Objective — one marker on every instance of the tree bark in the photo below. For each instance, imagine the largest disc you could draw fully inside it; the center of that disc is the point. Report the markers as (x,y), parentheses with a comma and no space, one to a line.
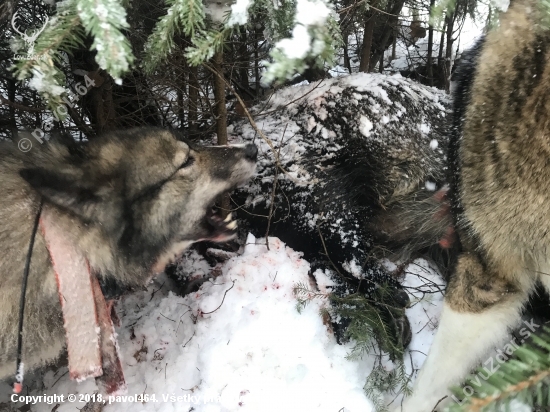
(221,118)
(256,64)
(219,95)
(11,97)
(347,62)
(390,27)
(182,86)
(244,57)
(430,48)
(394,45)
(449,51)
(367,42)
(441,46)
(192,117)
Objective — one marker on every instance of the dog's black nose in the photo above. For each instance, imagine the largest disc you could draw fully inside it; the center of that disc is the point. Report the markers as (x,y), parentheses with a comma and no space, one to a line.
(251,152)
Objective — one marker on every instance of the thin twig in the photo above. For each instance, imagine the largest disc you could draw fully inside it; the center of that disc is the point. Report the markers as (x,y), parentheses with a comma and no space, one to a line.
(155,291)
(59,379)
(273,192)
(189,340)
(171,320)
(207,313)
(370,7)
(438,402)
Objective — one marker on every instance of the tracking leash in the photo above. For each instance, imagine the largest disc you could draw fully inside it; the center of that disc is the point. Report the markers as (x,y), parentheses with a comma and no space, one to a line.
(89,331)
(18,385)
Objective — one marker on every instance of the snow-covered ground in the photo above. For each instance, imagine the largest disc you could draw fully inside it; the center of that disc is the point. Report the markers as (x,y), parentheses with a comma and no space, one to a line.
(239,343)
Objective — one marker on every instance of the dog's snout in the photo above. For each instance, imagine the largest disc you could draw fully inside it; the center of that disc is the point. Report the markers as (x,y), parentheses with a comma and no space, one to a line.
(251,152)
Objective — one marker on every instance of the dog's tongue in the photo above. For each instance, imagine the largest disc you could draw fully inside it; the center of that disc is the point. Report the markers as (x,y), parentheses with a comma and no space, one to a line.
(91,341)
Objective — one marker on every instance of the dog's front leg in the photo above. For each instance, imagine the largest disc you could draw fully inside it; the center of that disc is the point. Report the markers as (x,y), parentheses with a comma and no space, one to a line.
(479,308)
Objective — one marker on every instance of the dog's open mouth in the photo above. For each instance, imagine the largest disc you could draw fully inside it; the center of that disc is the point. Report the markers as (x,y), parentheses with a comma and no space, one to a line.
(220,229)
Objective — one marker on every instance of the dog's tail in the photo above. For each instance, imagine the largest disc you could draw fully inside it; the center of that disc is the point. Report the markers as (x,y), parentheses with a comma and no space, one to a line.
(419,223)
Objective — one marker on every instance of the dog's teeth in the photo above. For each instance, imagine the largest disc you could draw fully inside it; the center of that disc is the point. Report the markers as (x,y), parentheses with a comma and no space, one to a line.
(228,218)
(232,225)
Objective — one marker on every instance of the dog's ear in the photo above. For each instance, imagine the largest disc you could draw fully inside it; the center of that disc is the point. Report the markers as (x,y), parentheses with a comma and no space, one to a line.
(70,190)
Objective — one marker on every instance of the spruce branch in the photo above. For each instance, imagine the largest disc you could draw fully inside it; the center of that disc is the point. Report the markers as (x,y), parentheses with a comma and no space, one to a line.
(182,16)
(61,36)
(524,379)
(304,295)
(324,39)
(206,44)
(382,381)
(369,329)
(105,20)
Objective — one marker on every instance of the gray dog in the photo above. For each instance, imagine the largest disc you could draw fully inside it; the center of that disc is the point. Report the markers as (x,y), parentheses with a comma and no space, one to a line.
(499,196)
(126,203)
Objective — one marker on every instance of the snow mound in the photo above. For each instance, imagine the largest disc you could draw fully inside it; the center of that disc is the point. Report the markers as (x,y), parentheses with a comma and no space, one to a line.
(238,343)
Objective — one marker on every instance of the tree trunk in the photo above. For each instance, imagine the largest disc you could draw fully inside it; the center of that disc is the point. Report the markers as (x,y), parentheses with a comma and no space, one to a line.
(244,57)
(182,82)
(193,99)
(101,107)
(390,27)
(221,118)
(449,51)
(367,42)
(256,64)
(11,97)
(441,45)
(347,62)
(394,45)
(430,48)
(219,95)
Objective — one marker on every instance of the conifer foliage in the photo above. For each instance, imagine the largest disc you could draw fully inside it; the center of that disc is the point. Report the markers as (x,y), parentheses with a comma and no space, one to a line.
(524,379)
(301,30)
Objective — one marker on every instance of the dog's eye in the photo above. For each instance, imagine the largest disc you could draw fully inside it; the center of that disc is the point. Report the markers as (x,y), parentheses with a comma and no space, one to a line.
(190,160)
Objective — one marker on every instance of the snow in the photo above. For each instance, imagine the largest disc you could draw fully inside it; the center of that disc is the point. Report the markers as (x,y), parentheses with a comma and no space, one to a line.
(311,13)
(239,13)
(309,34)
(298,46)
(365,126)
(501,4)
(409,56)
(425,287)
(431,186)
(218,10)
(239,343)
(42,84)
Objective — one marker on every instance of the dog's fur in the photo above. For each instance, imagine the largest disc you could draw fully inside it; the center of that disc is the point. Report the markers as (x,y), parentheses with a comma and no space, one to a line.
(129,201)
(499,195)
